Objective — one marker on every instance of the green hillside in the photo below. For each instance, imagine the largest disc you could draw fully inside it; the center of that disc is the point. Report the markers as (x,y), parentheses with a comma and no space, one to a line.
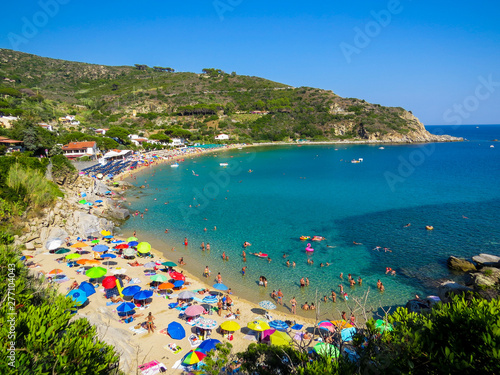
(248,108)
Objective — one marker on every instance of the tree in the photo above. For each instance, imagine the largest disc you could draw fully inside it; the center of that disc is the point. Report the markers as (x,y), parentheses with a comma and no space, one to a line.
(118,132)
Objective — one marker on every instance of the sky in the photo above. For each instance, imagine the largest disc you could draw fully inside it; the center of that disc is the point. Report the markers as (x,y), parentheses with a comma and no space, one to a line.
(440,60)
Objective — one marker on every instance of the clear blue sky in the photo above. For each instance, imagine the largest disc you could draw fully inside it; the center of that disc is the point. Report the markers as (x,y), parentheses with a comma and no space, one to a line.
(433,58)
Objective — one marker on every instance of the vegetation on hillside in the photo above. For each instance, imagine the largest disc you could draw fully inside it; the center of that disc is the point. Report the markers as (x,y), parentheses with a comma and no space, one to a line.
(106,96)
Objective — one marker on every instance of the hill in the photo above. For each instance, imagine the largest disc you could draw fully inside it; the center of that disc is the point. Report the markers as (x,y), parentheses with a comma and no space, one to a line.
(149,99)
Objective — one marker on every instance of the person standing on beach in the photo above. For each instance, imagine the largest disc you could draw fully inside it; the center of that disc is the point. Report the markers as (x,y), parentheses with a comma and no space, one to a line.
(149,323)
(344,316)
(219,307)
(219,278)
(280,297)
(293,302)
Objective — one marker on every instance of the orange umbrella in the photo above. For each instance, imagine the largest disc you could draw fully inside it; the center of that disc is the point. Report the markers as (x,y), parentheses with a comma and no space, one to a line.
(341,324)
(166,286)
(56,271)
(82,261)
(92,262)
(79,244)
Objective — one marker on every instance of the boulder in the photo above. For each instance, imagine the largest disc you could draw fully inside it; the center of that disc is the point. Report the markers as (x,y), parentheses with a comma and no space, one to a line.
(450,288)
(487,278)
(460,264)
(30,246)
(487,260)
(118,213)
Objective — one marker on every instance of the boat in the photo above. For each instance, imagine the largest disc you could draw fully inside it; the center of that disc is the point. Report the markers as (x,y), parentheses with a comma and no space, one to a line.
(429,227)
(357,160)
(175,165)
(492,146)
(223,164)
(380,148)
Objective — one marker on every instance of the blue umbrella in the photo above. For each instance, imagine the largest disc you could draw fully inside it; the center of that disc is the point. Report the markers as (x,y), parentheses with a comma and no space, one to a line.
(117,241)
(143,294)
(125,307)
(178,283)
(176,331)
(348,333)
(133,243)
(100,248)
(220,287)
(210,299)
(279,325)
(83,194)
(207,345)
(99,201)
(78,295)
(108,256)
(88,288)
(108,236)
(131,290)
(107,192)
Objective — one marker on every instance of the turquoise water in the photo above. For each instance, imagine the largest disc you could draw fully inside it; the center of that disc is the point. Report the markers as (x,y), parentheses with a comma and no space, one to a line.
(316,190)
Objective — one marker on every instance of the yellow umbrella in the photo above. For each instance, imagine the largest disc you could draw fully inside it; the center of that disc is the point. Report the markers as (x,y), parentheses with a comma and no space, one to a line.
(341,324)
(230,325)
(79,244)
(258,325)
(280,338)
(105,232)
(144,247)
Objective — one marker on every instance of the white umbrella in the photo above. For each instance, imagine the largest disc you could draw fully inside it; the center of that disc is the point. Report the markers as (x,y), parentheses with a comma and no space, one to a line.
(186,295)
(119,271)
(53,243)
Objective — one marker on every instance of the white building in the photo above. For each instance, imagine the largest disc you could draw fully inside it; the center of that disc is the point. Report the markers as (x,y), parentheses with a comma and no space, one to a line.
(177,142)
(222,137)
(78,149)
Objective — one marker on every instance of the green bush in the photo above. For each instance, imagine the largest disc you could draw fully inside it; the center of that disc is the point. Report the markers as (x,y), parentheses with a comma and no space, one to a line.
(61,166)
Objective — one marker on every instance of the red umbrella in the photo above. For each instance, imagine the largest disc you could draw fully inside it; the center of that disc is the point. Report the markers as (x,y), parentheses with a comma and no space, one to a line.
(177,275)
(121,246)
(109,282)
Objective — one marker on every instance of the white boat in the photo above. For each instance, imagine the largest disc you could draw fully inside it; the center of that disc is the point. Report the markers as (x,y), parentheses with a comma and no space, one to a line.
(357,161)
(223,164)
(175,165)
(380,148)
(492,146)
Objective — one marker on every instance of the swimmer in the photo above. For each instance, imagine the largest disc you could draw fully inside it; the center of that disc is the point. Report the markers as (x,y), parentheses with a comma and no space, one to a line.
(288,263)
(166,230)
(293,264)
(407,225)
(357,243)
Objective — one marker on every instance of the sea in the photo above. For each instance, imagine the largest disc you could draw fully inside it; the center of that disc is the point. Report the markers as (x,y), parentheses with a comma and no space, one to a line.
(373,215)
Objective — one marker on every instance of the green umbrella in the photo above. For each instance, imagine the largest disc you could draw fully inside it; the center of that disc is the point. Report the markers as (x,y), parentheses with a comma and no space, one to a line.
(63,251)
(96,272)
(382,326)
(73,256)
(130,239)
(169,264)
(83,201)
(95,241)
(144,247)
(328,350)
(159,278)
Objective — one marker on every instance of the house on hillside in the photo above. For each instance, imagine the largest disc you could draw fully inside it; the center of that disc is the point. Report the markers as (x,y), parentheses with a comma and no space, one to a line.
(6,121)
(12,144)
(78,149)
(177,142)
(46,126)
(101,131)
(137,140)
(222,137)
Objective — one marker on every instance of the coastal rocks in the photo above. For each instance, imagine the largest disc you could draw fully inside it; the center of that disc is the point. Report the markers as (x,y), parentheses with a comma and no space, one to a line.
(30,245)
(487,278)
(487,260)
(450,288)
(118,213)
(90,225)
(460,264)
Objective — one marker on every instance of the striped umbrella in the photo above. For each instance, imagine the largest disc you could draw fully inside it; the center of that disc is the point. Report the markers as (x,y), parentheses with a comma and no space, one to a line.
(205,323)
(193,357)
(210,299)
(279,325)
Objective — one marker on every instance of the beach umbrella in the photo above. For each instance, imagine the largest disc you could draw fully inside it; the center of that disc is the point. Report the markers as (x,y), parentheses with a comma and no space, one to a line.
(348,333)
(258,325)
(327,350)
(297,327)
(159,278)
(193,357)
(205,323)
(131,239)
(169,264)
(95,241)
(279,325)
(194,310)
(326,324)
(186,295)
(230,325)
(96,272)
(210,299)
(109,282)
(133,243)
(165,286)
(105,232)
(341,324)
(111,256)
(109,236)
(99,201)
(176,331)
(78,296)
(280,338)
(267,305)
(82,201)
(129,252)
(82,261)
(121,246)
(143,294)
(119,271)
(89,262)
(150,265)
(56,271)
(178,283)
(382,326)
(125,307)
(143,247)
(79,244)
(62,251)
(207,345)
(88,288)
(131,290)
(100,248)
(53,243)
(220,286)
(25,257)
(177,275)
(73,256)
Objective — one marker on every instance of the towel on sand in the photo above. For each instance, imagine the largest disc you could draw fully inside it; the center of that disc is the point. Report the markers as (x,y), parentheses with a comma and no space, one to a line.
(174,348)
(138,331)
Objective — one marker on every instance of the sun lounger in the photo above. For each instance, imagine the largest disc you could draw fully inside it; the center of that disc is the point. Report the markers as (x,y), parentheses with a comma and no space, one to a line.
(194,341)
